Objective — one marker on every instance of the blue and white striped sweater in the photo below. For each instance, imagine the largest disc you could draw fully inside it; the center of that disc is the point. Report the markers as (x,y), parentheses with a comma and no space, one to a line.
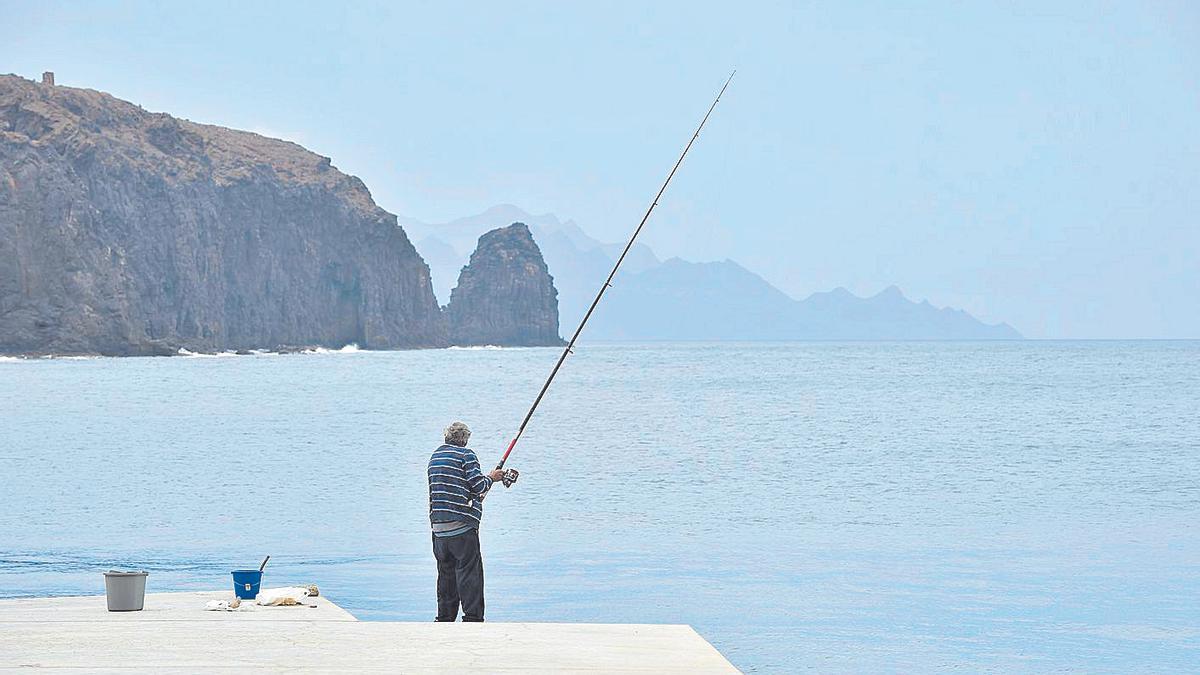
(456,486)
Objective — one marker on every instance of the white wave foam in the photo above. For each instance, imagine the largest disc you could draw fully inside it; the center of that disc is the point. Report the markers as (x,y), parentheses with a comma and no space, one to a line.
(348,349)
(476,348)
(202,355)
(47,357)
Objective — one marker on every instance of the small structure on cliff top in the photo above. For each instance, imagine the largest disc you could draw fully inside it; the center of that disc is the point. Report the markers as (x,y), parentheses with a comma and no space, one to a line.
(48,78)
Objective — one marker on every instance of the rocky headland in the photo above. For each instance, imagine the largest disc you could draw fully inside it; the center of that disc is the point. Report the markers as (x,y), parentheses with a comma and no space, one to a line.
(126,232)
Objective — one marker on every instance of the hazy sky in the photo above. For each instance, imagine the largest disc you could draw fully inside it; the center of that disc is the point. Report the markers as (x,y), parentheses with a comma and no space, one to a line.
(1033,163)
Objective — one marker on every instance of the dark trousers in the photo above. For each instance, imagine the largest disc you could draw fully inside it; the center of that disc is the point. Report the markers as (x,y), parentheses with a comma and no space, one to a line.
(460,576)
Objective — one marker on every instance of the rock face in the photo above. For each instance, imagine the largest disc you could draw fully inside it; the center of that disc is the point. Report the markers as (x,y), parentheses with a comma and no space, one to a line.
(127,232)
(505,295)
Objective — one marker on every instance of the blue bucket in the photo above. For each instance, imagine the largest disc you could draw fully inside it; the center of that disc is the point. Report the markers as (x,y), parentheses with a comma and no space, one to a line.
(246,583)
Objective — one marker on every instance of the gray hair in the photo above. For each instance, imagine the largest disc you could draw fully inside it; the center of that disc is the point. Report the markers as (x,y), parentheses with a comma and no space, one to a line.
(457,434)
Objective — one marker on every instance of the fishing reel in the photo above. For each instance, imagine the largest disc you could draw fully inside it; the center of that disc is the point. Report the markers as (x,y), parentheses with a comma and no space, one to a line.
(509,477)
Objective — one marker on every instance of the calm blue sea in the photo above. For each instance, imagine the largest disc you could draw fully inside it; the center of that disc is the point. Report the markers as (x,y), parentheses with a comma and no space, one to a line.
(907,507)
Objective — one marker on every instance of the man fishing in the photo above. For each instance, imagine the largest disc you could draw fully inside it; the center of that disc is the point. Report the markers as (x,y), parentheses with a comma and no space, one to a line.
(456,490)
(457,485)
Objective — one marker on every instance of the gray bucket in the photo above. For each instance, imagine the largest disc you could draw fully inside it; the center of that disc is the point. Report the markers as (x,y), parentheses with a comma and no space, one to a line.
(125,591)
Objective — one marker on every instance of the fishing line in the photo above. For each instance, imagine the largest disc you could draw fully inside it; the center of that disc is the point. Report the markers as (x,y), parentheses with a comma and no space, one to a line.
(510,476)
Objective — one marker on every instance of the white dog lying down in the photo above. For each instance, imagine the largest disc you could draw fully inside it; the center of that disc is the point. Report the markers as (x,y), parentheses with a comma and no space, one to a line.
(268,597)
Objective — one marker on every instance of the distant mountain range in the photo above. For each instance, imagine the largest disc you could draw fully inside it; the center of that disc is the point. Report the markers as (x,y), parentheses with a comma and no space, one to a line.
(675,299)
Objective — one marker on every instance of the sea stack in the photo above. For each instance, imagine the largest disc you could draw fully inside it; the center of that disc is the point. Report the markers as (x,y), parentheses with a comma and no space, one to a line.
(505,295)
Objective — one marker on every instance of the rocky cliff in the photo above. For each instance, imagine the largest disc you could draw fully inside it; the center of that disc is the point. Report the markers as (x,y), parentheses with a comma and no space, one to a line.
(505,295)
(128,232)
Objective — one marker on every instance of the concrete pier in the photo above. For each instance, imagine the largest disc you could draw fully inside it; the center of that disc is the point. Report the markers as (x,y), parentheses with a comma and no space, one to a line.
(175,634)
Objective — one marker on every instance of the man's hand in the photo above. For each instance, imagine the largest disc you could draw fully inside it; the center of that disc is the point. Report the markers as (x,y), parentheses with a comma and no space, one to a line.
(496,475)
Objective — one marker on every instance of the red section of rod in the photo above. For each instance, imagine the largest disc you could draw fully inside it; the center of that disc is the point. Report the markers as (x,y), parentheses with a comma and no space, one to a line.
(504,459)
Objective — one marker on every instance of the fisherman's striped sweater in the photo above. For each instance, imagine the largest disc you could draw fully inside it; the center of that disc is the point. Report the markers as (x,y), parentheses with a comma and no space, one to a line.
(456,486)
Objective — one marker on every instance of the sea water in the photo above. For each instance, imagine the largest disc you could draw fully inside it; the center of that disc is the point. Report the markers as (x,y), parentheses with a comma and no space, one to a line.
(911,506)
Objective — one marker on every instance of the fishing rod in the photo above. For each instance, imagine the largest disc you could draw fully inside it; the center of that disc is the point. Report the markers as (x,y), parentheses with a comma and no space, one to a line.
(510,475)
